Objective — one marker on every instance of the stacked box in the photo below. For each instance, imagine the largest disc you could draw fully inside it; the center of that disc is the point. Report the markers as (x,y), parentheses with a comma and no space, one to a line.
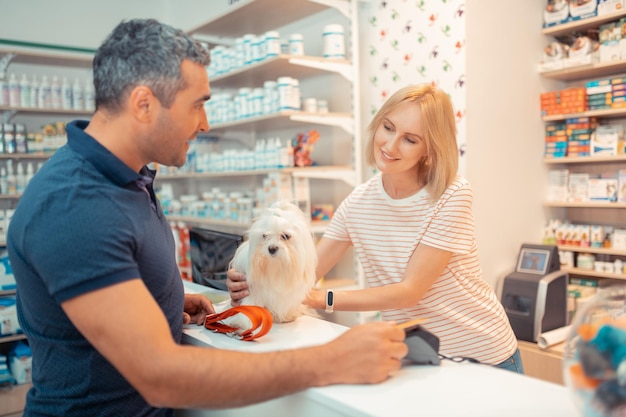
(603,188)
(609,37)
(573,100)
(618,92)
(570,100)
(555,141)
(610,6)
(582,9)
(556,12)
(550,103)
(578,188)
(599,94)
(621,181)
(579,131)
(621,45)
(606,139)
(557,184)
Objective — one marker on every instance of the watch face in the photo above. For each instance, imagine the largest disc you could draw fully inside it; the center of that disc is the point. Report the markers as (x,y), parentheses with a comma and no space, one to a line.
(330,301)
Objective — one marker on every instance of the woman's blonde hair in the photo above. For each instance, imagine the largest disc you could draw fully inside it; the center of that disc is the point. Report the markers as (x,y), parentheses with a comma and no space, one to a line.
(440,167)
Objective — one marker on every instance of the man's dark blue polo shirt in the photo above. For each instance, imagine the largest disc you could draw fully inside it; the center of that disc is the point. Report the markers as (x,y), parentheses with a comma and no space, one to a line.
(86,221)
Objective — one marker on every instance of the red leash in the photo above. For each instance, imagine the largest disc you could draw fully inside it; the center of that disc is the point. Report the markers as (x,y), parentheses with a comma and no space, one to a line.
(260,317)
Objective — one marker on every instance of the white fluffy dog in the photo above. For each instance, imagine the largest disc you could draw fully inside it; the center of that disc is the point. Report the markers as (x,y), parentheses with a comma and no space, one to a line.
(279,260)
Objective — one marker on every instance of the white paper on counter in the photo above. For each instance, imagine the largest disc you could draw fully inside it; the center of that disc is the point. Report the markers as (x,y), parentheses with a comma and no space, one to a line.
(553,337)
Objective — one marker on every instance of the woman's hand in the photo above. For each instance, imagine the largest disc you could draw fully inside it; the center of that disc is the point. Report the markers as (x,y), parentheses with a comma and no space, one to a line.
(237,286)
(315,299)
(196,308)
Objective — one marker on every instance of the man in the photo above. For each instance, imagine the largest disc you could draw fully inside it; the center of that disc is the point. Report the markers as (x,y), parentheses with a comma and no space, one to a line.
(99,294)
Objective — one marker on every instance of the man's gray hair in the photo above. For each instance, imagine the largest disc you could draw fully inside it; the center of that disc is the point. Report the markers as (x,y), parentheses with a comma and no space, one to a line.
(143,52)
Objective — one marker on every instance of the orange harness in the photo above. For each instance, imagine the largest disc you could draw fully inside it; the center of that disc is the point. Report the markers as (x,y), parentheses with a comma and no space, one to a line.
(260,317)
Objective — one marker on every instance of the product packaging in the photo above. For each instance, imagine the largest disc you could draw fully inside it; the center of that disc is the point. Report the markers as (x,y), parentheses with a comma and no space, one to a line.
(21,363)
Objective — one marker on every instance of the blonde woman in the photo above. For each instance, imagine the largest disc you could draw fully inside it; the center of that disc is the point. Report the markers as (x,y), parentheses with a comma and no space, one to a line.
(412,228)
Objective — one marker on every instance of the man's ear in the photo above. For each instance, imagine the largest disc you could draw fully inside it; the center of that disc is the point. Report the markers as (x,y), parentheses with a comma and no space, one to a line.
(142,103)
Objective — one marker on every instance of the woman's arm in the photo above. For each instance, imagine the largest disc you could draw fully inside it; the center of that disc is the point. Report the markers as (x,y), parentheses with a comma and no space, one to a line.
(424,267)
(329,252)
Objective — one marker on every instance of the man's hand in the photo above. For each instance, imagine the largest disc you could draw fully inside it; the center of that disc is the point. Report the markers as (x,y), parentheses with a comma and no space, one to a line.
(196,309)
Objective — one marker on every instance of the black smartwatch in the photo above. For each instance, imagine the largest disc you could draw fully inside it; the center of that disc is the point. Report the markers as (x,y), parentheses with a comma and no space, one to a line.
(330,301)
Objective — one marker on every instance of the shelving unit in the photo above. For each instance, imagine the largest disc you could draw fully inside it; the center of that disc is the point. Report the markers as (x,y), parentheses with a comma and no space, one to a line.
(287,119)
(257,17)
(41,55)
(35,55)
(343,173)
(604,213)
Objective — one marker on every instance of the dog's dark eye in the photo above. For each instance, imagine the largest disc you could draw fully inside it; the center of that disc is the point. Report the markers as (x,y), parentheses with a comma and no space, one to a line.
(285,236)
(264,235)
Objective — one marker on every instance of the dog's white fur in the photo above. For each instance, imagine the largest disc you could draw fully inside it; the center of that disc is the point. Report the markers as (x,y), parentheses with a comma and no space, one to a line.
(279,260)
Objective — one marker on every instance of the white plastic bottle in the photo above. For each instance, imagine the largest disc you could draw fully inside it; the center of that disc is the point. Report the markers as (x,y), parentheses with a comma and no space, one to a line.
(283,85)
(34,92)
(296,44)
(25,91)
(259,154)
(272,43)
(66,94)
(14,91)
(30,172)
(334,42)
(286,155)
(3,181)
(55,88)
(45,94)
(4,92)
(78,96)
(20,179)
(295,101)
(270,154)
(11,180)
(90,96)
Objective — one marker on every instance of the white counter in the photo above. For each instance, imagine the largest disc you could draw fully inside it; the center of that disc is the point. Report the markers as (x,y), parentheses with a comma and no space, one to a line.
(451,389)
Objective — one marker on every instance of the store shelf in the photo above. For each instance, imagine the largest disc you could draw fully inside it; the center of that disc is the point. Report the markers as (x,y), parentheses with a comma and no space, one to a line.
(605,113)
(296,66)
(12,338)
(46,54)
(13,400)
(38,155)
(583,24)
(316,226)
(590,273)
(599,69)
(584,159)
(590,204)
(204,175)
(310,172)
(6,292)
(588,249)
(243,17)
(32,110)
(335,172)
(287,119)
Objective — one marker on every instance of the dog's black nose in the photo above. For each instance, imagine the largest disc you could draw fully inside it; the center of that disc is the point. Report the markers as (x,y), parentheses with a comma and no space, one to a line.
(272,249)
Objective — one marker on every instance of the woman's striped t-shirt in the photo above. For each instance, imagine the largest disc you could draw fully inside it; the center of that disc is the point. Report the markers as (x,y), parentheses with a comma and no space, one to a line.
(460,307)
